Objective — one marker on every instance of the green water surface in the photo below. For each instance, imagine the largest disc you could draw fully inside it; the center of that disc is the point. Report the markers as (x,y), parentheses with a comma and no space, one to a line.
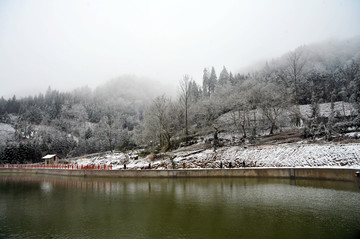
(63,207)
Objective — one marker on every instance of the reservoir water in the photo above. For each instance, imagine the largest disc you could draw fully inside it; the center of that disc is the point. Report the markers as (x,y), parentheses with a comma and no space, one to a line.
(65,207)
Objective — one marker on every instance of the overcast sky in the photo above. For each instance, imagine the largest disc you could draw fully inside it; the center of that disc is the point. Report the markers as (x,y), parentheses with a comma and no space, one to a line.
(70,43)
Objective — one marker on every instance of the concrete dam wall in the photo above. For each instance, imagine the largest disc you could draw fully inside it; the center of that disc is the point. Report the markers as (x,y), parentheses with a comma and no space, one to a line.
(299,173)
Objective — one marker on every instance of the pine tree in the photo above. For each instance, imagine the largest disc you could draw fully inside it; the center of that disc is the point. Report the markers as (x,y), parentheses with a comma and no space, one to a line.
(231,79)
(195,92)
(224,77)
(212,81)
(206,83)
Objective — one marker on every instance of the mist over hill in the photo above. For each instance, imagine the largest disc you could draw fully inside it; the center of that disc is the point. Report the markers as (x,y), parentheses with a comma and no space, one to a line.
(320,55)
(132,89)
(130,112)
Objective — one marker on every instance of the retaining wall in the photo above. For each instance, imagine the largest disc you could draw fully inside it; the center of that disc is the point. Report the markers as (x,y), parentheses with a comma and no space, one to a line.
(300,173)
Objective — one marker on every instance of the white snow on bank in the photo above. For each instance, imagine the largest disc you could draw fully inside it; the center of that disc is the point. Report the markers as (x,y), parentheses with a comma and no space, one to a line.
(297,155)
(289,155)
(117,160)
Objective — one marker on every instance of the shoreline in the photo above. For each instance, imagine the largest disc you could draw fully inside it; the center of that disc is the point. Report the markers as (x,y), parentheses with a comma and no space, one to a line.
(345,174)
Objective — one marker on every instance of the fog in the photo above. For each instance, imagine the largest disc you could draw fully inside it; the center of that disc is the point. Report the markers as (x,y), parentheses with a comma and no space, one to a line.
(69,44)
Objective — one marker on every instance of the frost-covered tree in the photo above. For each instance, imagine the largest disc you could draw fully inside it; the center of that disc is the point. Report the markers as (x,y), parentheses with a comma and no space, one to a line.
(107,125)
(240,112)
(354,76)
(272,104)
(331,121)
(212,81)
(206,83)
(206,111)
(224,77)
(195,92)
(157,123)
(231,78)
(185,100)
(292,74)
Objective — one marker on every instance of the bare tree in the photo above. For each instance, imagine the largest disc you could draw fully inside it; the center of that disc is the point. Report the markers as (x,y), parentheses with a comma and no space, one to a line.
(292,74)
(243,100)
(239,119)
(157,122)
(272,104)
(184,92)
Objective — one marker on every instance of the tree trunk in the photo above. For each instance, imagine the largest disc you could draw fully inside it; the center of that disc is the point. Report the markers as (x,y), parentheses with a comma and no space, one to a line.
(186,121)
(168,141)
(272,128)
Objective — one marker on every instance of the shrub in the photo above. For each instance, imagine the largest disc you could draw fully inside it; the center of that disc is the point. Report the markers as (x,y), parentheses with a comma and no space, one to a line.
(152,156)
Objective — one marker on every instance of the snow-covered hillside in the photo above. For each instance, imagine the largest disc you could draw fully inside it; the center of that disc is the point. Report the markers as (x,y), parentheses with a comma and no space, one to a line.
(288,155)
(340,109)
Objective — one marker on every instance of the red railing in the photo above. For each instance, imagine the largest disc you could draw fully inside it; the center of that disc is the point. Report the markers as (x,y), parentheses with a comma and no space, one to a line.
(57,166)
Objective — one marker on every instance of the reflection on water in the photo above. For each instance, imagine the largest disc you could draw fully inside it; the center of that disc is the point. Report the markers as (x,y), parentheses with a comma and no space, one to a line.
(62,207)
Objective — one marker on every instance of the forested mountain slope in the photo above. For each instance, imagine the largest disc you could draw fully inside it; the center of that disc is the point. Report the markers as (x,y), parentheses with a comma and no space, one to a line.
(131,112)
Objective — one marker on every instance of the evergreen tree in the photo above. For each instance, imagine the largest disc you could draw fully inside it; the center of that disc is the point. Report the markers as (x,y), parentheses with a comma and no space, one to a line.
(224,77)
(206,83)
(13,106)
(212,81)
(195,92)
(231,79)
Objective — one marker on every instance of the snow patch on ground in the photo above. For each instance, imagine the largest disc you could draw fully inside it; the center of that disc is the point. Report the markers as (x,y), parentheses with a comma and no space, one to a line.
(288,155)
